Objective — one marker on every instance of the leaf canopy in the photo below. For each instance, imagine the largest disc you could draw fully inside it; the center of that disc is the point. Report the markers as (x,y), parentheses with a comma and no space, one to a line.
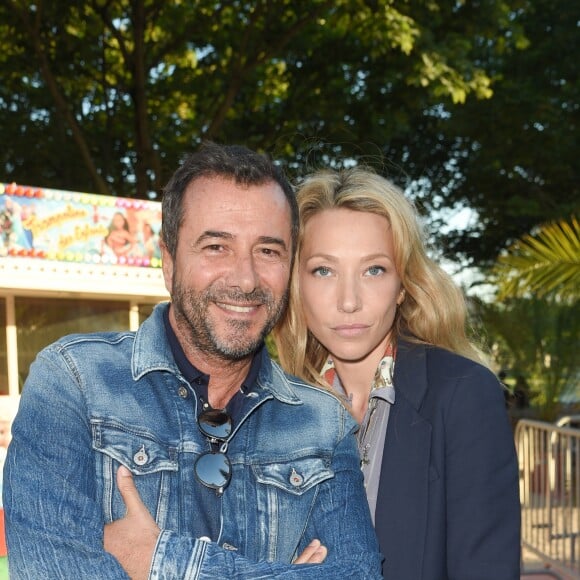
(463,103)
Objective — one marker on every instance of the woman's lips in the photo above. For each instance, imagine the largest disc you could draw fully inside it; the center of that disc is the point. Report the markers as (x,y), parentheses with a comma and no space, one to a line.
(350,330)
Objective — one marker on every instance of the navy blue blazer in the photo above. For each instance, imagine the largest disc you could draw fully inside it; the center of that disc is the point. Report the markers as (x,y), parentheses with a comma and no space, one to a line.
(448,501)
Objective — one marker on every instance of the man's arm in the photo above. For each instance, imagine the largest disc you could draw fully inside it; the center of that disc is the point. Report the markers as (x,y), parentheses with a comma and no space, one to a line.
(54,527)
(340,519)
(132,539)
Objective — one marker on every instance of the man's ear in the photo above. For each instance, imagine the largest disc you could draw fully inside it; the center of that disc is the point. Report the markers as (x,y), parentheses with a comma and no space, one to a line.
(166,265)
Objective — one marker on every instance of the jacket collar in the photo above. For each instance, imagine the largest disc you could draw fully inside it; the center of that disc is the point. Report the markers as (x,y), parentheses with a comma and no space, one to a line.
(152,352)
(151,349)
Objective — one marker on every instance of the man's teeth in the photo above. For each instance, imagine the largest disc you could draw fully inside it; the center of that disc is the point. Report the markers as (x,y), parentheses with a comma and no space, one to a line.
(235,308)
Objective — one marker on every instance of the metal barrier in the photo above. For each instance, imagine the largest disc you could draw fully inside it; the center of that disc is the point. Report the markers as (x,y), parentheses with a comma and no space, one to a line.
(549,462)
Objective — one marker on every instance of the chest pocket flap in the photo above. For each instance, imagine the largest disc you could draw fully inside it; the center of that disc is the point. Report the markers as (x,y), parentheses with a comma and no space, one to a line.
(141,453)
(296,476)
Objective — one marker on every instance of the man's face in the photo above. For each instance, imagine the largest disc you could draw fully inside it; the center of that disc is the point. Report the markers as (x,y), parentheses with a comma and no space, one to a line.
(229,279)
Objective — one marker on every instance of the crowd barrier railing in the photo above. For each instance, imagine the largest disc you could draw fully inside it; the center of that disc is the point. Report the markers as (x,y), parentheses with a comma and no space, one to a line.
(549,464)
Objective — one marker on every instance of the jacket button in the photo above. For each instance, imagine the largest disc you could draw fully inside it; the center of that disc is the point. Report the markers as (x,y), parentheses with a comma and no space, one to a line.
(183,393)
(141,457)
(296,479)
(227,546)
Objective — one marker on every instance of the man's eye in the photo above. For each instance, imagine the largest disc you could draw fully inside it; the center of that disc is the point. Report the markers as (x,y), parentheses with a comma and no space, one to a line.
(214,247)
(271,254)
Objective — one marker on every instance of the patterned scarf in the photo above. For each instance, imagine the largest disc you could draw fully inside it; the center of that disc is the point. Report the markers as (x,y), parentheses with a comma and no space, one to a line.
(383,376)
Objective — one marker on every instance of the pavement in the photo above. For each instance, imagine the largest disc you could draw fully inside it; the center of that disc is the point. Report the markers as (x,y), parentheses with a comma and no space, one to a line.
(534,568)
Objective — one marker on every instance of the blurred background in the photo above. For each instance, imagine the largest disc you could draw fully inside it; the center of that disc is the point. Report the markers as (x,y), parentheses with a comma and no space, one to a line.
(471,107)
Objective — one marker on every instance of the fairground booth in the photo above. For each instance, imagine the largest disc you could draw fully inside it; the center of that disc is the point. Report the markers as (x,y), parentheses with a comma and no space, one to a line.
(71,262)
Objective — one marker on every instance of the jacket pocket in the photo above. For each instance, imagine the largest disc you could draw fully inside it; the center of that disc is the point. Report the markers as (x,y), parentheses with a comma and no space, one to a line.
(295,477)
(286,492)
(140,452)
(153,463)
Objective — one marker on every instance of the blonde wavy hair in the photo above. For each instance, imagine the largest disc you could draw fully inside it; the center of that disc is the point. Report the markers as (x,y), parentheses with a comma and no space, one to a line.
(434,310)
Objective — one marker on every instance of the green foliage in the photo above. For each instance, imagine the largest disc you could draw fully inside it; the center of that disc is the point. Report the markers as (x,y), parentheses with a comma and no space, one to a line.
(272,349)
(534,325)
(547,263)
(537,340)
(512,158)
(107,95)
(466,103)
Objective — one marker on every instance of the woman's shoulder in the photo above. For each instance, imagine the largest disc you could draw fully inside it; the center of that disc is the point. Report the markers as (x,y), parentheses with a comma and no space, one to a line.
(442,371)
(438,359)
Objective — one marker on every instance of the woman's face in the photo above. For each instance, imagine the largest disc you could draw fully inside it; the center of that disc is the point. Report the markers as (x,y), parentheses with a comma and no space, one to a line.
(118,221)
(349,287)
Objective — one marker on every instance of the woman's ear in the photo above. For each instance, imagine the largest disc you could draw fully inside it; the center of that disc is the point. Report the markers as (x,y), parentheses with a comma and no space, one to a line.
(401,297)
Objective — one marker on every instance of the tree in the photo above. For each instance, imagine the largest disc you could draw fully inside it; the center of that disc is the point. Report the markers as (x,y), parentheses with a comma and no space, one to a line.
(513,159)
(536,341)
(534,324)
(106,95)
(463,103)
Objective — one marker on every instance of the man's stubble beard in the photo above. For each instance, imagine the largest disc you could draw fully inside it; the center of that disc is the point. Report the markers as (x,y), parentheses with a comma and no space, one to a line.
(198,331)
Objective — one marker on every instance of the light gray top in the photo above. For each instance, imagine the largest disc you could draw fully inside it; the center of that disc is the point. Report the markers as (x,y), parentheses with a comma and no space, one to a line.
(373,429)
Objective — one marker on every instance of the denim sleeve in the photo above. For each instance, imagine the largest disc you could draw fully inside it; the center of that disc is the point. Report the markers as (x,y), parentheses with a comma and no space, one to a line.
(340,519)
(54,527)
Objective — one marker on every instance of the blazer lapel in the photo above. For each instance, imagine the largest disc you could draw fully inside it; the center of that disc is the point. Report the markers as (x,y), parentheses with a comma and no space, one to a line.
(401,514)
(411,372)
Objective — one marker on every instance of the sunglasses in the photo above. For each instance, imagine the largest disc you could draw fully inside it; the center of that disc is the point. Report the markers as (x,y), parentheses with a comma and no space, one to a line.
(213,468)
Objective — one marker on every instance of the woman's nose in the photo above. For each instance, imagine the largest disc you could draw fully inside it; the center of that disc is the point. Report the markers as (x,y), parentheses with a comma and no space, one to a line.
(349,299)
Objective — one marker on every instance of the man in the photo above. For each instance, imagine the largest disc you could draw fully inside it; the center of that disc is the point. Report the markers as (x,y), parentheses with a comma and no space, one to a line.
(240,466)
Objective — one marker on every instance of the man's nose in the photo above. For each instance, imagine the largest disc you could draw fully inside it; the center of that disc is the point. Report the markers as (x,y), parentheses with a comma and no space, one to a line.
(244,275)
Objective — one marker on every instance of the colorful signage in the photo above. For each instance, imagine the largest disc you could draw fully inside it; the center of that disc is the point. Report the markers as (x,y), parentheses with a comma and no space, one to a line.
(67,226)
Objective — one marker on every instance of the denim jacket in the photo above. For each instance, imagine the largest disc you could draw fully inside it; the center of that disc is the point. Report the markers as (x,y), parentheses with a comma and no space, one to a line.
(92,402)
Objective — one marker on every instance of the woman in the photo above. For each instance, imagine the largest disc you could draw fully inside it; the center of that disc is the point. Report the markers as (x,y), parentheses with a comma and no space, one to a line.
(372,317)
(119,238)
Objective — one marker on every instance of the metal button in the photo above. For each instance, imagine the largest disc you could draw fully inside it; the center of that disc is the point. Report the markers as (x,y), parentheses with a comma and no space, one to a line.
(227,546)
(183,392)
(141,457)
(296,479)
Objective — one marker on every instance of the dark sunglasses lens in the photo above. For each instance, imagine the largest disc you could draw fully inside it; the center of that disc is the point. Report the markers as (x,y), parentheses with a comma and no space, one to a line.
(215,424)
(214,470)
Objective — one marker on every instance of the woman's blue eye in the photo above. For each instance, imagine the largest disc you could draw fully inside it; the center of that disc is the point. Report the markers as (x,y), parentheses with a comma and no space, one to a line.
(375,270)
(321,271)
